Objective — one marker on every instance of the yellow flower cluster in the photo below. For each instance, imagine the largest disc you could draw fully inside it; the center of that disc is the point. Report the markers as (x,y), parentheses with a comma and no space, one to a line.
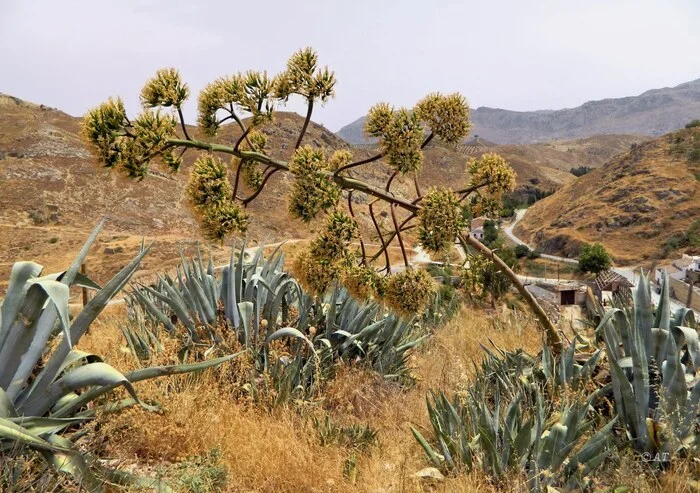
(313,191)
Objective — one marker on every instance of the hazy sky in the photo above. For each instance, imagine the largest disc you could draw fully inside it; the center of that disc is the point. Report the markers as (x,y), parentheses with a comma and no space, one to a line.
(514,54)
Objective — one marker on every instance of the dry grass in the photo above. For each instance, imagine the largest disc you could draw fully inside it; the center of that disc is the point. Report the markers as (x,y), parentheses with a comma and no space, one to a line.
(279,450)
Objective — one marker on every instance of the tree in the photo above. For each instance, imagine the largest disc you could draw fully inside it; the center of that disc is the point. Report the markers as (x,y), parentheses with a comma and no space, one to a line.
(521,251)
(219,193)
(491,237)
(594,258)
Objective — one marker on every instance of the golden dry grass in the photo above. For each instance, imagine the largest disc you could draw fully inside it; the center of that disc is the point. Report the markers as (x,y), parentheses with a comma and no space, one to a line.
(279,450)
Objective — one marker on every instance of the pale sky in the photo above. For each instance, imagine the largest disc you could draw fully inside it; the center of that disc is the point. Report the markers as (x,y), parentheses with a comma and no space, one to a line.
(513,54)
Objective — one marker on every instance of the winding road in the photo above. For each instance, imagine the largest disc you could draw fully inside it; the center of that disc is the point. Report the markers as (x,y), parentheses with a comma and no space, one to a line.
(631,272)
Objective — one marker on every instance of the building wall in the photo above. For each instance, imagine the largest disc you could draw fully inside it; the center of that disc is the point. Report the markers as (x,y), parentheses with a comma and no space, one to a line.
(680,291)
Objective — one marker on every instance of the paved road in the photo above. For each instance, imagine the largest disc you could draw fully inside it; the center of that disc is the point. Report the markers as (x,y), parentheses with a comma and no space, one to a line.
(508,230)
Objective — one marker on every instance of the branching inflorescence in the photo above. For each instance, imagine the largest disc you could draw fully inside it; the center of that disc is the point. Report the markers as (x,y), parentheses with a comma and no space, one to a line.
(219,192)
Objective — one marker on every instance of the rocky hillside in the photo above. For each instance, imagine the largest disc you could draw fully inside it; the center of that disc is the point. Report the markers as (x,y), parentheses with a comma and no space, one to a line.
(652,113)
(54,192)
(640,205)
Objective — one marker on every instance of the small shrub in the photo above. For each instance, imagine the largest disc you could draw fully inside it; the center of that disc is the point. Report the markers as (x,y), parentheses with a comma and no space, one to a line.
(354,436)
(693,123)
(533,254)
(53,240)
(580,171)
(694,155)
(594,258)
(522,251)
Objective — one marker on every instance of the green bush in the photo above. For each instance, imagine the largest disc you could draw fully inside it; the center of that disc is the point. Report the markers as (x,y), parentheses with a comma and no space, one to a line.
(533,254)
(693,124)
(594,258)
(522,251)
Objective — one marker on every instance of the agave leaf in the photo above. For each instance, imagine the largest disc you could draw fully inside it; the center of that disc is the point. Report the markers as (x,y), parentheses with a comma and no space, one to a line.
(684,317)
(43,427)
(290,332)
(73,464)
(161,371)
(626,402)
(153,310)
(93,374)
(74,268)
(246,310)
(7,408)
(685,336)
(674,384)
(16,290)
(83,320)
(18,434)
(29,347)
(426,447)
(663,318)
(644,310)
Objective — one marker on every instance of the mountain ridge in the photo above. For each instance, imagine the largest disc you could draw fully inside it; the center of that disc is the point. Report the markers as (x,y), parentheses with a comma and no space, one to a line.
(652,113)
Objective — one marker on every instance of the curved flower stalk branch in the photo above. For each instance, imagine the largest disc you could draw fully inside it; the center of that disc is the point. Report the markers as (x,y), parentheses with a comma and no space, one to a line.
(320,179)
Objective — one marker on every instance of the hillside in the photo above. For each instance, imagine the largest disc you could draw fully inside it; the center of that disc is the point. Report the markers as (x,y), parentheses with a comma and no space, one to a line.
(652,113)
(638,205)
(54,192)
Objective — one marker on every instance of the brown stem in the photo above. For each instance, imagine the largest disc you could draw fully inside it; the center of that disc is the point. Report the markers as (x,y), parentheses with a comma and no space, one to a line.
(393,235)
(553,338)
(427,140)
(309,110)
(391,179)
(268,175)
(182,122)
(359,163)
(362,243)
(381,238)
(415,183)
(244,135)
(242,127)
(398,235)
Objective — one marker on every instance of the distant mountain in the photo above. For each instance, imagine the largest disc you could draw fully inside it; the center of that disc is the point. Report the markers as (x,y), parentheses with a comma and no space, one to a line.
(652,113)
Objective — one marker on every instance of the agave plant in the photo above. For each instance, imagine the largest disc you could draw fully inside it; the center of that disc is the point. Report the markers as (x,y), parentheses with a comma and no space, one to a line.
(45,387)
(261,303)
(653,365)
(253,294)
(502,434)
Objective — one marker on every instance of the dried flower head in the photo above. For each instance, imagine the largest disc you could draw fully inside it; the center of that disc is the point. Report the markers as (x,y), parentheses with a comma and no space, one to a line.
(103,128)
(362,282)
(129,146)
(493,170)
(409,293)
(339,159)
(378,119)
(209,184)
(165,89)
(221,221)
(313,191)
(329,254)
(447,116)
(302,77)
(440,220)
(251,93)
